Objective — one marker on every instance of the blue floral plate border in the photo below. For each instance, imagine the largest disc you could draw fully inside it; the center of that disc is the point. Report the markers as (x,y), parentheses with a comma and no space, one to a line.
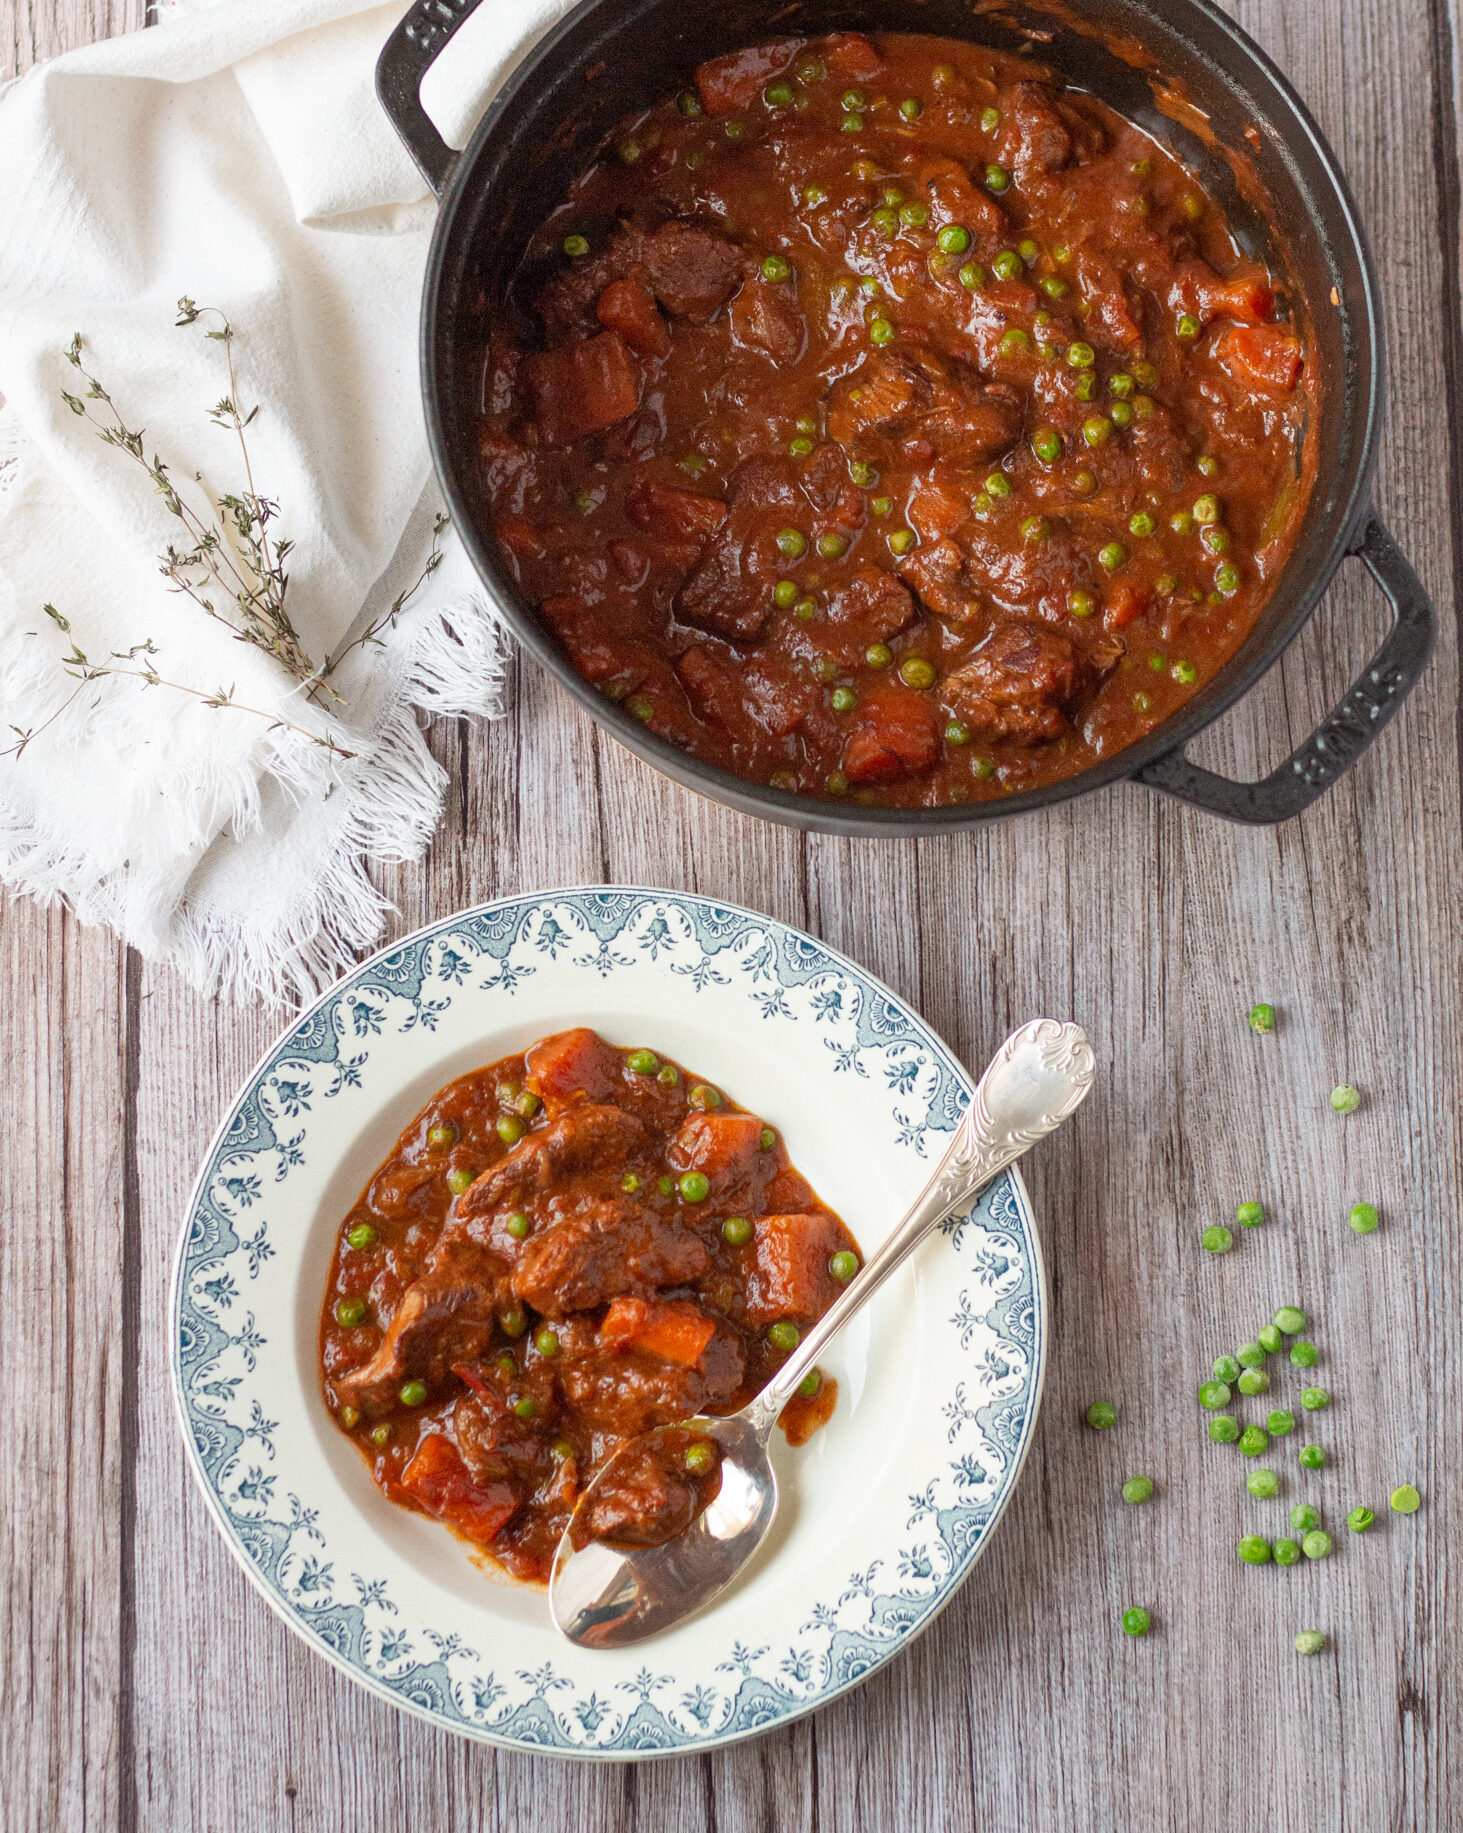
(946,1399)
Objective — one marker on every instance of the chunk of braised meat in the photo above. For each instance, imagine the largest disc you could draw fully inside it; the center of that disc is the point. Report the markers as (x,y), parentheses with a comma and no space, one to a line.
(726,1148)
(438,1480)
(764,316)
(609,1248)
(1042,133)
(654,1496)
(578,389)
(917,393)
(1112,319)
(869,607)
(691,269)
(957,199)
(598,654)
(791,1277)
(848,57)
(828,487)
(1264,360)
(626,1390)
(937,573)
(716,595)
(1245,295)
(1018,685)
(583,1139)
(444,1317)
(628,307)
(737,80)
(571,1067)
(894,732)
(668,509)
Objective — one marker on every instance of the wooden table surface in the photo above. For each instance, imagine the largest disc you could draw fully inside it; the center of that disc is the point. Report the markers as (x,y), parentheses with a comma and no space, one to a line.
(147,1686)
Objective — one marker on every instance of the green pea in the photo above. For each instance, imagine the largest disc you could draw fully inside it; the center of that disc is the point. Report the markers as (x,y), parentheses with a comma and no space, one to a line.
(1304,1516)
(806,609)
(843,699)
(957,734)
(547,1342)
(699,1458)
(1262,1019)
(1286,1551)
(1280,1423)
(1226,580)
(886,221)
(1314,1399)
(1312,1457)
(852,124)
(517,1225)
(1112,554)
(509,1129)
(811,1384)
(1136,1621)
(777,95)
(666,1185)
(792,543)
(643,1062)
(412,1393)
(1097,430)
(350,1312)
(1309,1641)
(1269,1338)
(768,1139)
(1290,1318)
(513,1322)
(953,239)
(1250,1355)
(914,671)
(1046,442)
(1188,327)
(576,245)
(1216,1239)
(1263,1483)
(1226,1368)
(506,1363)
(1317,1544)
(1254,1381)
(669,1074)
(736,1231)
(1346,1099)
(1206,510)
(1360,1519)
(525,1406)
(784,1335)
(996,179)
(381,1435)
(1250,1215)
(972,275)
(1181,522)
(1053,286)
(363,1234)
(1254,1551)
(1121,413)
(1405,1500)
(1224,1429)
(878,655)
(1007,264)
(776,268)
(1214,1394)
(1013,342)
(1101,1415)
(785,592)
(1253,1440)
(689,103)
(1086,388)
(880,331)
(1137,1489)
(863,475)
(704,1096)
(1186,673)
(1364,1218)
(882,505)
(444,1134)
(1141,524)
(1036,528)
(814,194)
(1083,604)
(561,1448)
(1081,356)
(695,1187)
(843,1265)
(914,215)
(1304,1355)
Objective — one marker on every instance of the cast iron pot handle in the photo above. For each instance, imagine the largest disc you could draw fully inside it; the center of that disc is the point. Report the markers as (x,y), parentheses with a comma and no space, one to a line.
(1347,730)
(408,54)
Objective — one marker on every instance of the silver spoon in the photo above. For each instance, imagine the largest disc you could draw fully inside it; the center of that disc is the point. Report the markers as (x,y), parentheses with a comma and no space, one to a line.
(609,1597)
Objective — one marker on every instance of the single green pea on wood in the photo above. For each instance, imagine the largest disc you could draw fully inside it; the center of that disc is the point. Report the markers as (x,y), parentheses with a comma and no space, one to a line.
(1304,1355)
(1304,1516)
(1360,1519)
(1101,1415)
(1226,1368)
(1314,1398)
(1312,1457)
(1217,1239)
(1309,1642)
(1290,1319)
(1254,1381)
(1136,1621)
(1250,1215)
(1364,1218)
(1253,1440)
(1254,1550)
(1224,1429)
(1268,1337)
(1405,1500)
(1279,1423)
(1286,1552)
(1214,1394)
(1137,1489)
(1263,1483)
(1250,1355)
(1345,1099)
(1317,1544)
(1262,1019)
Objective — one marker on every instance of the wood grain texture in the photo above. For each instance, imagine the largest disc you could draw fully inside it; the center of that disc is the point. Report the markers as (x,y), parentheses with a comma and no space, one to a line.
(148,1687)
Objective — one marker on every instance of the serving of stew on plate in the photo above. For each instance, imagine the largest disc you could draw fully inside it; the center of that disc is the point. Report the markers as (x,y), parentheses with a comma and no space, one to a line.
(563,1250)
(879,418)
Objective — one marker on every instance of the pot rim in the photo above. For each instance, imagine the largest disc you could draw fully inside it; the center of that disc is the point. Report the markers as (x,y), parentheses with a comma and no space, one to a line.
(1249,664)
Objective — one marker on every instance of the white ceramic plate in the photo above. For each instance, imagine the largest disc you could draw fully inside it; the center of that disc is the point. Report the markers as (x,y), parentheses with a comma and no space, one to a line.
(882,1514)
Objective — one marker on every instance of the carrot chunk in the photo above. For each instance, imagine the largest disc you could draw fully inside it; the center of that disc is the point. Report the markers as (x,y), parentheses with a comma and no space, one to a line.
(672,1329)
(438,1479)
(629,308)
(570,1066)
(792,1277)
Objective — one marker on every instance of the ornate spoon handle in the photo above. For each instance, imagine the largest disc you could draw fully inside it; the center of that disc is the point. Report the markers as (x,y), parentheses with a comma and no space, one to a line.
(1039,1076)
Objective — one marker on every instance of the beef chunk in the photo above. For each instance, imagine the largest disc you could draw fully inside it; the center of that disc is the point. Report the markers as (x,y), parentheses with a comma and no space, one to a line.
(651,1502)
(628,307)
(691,269)
(937,573)
(764,316)
(607,1249)
(1264,360)
(582,388)
(957,200)
(667,509)
(894,733)
(1016,685)
(848,57)
(829,488)
(446,1316)
(1034,140)
(869,607)
(791,1277)
(565,303)
(623,1390)
(919,394)
(584,1139)
(717,596)
(735,81)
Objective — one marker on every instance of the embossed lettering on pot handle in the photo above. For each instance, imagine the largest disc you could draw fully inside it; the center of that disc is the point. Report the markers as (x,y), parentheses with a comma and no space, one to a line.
(1347,730)
(1039,1076)
(405,59)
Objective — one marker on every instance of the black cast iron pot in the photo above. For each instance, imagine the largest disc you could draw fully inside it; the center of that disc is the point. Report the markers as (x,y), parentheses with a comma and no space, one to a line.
(610,57)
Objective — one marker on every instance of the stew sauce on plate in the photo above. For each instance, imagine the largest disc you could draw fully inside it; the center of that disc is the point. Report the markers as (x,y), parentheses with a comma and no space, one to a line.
(563,1250)
(880,419)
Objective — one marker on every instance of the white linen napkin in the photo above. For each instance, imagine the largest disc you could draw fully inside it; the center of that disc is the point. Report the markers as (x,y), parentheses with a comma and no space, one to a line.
(235,154)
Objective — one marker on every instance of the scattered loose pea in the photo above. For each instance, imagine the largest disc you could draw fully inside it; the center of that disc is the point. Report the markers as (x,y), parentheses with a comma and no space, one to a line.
(350,1418)
(704,1096)
(1217,1239)
(350,1312)
(1360,1519)
(444,1134)
(1290,1319)
(1314,1398)
(1263,1483)
(811,1384)
(1136,1621)
(1280,1423)
(412,1393)
(1262,1018)
(843,1265)
(1286,1551)
(1304,1355)
(1254,1381)
(1269,1338)
(363,1234)
(381,1435)
(1309,1641)
(1253,1440)
(1250,1355)
(1250,1215)
(1254,1551)
(1317,1544)
(1137,1489)
(509,1129)
(1224,1428)
(1226,1368)
(1101,1414)
(1346,1099)
(1214,1394)
(517,1225)
(1304,1516)
(1312,1457)
(1405,1500)
(525,1406)
(547,1342)
(576,245)
(1364,1218)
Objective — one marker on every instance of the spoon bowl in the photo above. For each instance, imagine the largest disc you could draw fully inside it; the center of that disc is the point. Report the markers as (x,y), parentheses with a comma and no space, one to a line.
(607,1594)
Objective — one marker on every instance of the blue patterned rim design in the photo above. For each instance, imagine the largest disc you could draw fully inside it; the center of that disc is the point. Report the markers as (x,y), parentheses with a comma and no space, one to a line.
(267,1499)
